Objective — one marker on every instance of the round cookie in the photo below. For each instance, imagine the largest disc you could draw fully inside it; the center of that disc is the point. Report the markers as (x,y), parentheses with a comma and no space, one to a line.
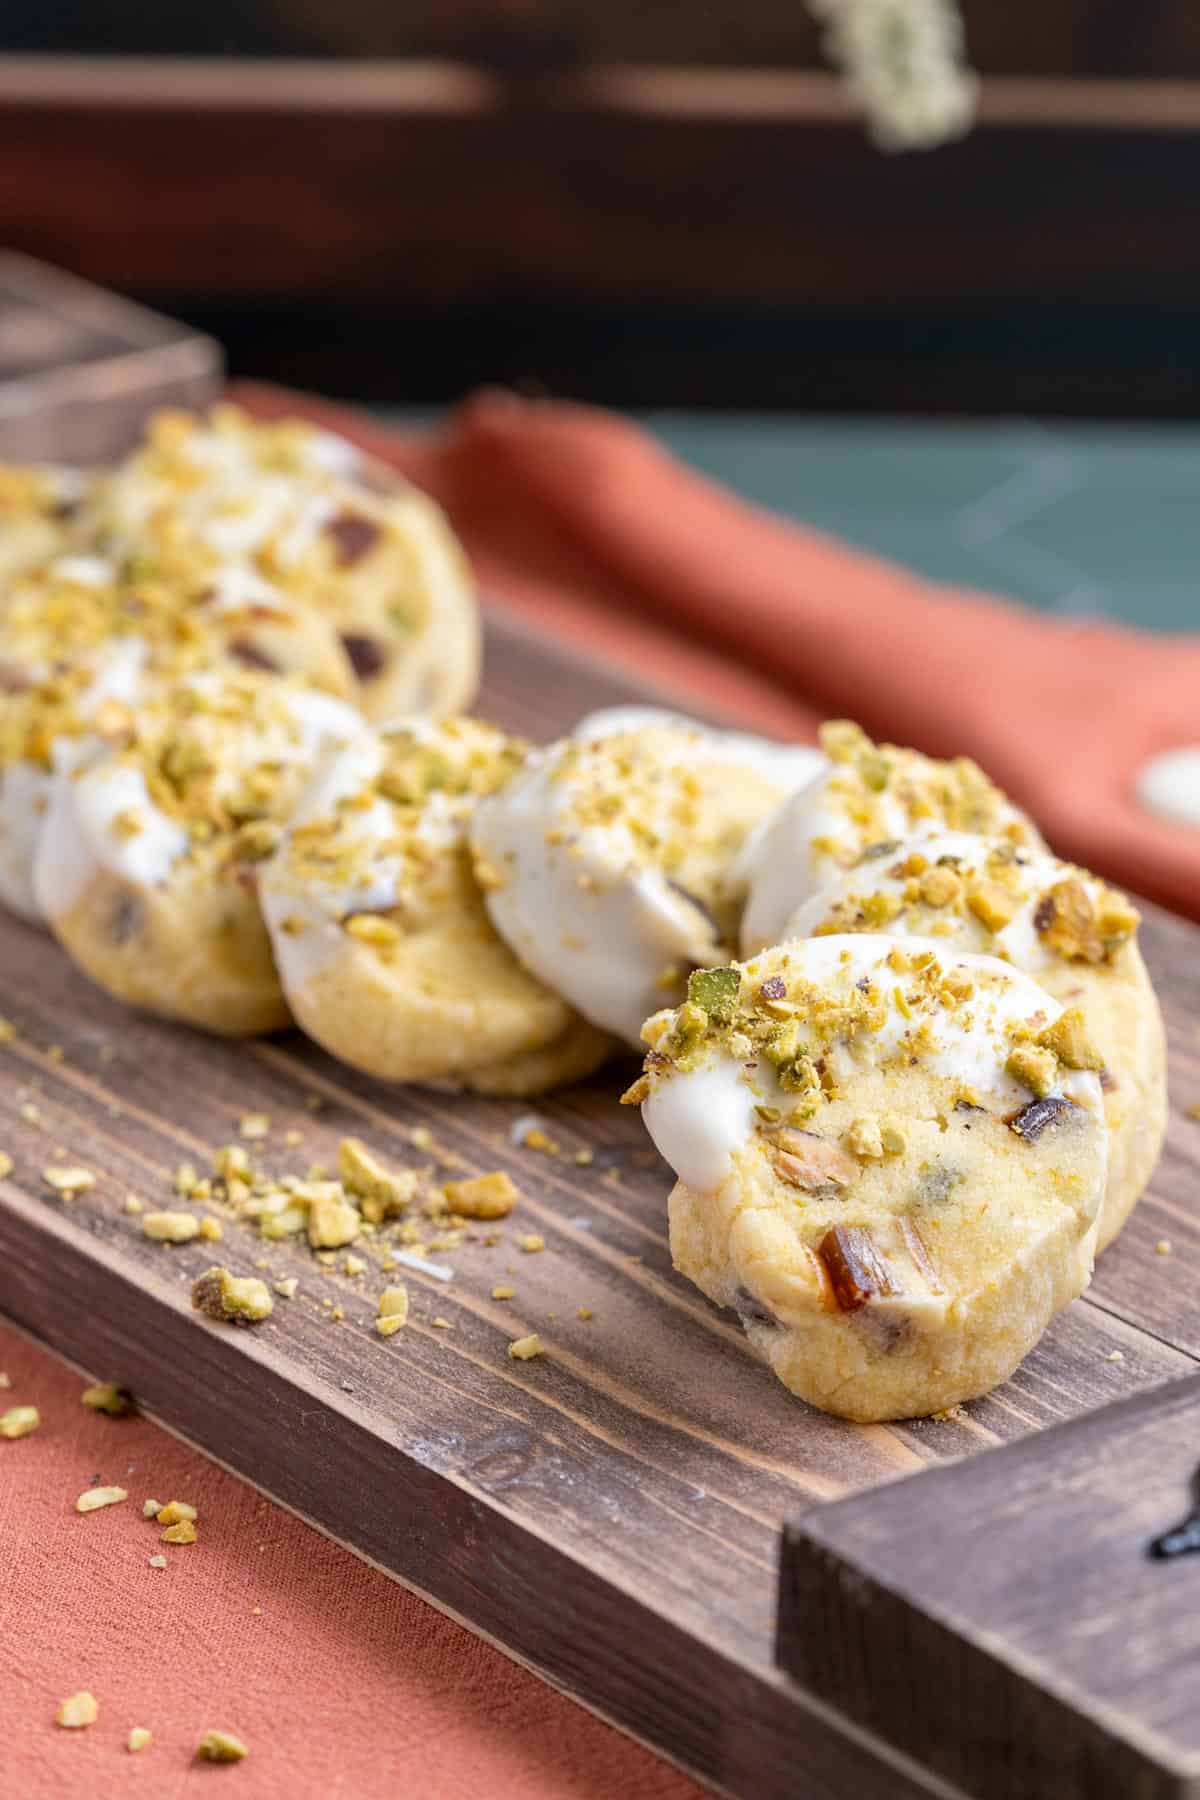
(1073,933)
(381,935)
(146,868)
(872,794)
(334,529)
(892,1212)
(607,862)
(79,647)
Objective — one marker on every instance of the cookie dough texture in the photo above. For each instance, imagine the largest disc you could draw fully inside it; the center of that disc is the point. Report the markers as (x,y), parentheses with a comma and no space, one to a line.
(307,512)
(1068,929)
(893,1215)
(608,861)
(147,864)
(381,934)
(872,795)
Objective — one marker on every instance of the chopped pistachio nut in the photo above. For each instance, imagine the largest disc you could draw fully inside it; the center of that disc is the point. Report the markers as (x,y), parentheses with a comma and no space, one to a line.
(287,1287)
(221,1747)
(171,1227)
(585,1313)
(1069,1041)
(332,1221)
(1163,1247)
(992,905)
(182,1533)
(107,1397)
(151,1509)
(95,1498)
(185,1178)
(715,993)
(133,1205)
(503,1293)
(864,1138)
(68,1181)
(138,1738)
(19,1421)
(78,1711)
(380,1191)
(232,1163)
(387,1325)
(355,1265)
(242,1301)
(483,1197)
(6,1165)
(531,1243)
(1035,1069)
(8,1031)
(174,1511)
(521,1349)
(254,1125)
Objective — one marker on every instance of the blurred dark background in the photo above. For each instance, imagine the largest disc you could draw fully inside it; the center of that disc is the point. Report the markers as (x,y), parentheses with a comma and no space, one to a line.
(651,202)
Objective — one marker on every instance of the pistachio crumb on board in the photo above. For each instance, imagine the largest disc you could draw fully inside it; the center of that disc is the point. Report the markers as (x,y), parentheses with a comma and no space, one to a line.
(19,1421)
(107,1397)
(221,1747)
(138,1739)
(95,1498)
(482,1196)
(522,1349)
(240,1300)
(78,1711)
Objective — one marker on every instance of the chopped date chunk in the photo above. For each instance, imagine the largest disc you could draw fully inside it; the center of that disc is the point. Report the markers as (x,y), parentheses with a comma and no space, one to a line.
(1041,1116)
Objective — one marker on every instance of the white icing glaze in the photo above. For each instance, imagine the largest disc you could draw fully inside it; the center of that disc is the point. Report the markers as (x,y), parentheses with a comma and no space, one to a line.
(78,837)
(1169,785)
(579,906)
(84,571)
(1017,943)
(24,797)
(699,1118)
(789,766)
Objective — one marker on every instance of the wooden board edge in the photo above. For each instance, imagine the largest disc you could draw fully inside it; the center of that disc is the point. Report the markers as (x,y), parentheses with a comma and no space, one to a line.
(736,1727)
(867,1646)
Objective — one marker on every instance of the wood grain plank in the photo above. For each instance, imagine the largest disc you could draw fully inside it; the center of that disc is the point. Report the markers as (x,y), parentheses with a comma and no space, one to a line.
(1027,1646)
(607,1511)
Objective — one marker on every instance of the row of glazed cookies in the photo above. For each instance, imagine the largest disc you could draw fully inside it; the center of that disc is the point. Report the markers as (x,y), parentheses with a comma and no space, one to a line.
(905,1123)
(217,544)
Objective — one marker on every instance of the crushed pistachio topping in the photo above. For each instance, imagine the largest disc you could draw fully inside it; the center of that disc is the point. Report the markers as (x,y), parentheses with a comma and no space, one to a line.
(381,1192)
(139,1739)
(78,1711)
(95,1498)
(184,1532)
(221,1747)
(6,1165)
(531,1243)
(483,1196)
(239,1300)
(19,1421)
(68,1181)
(170,1227)
(522,1349)
(107,1397)
(175,1511)
(391,1310)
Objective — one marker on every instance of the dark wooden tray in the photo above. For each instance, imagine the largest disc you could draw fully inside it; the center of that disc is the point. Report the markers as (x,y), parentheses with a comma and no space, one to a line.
(611,1512)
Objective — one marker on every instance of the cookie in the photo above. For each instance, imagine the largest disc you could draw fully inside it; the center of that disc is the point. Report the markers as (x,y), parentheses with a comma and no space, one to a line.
(78,645)
(870,796)
(309,513)
(146,867)
(607,862)
(892,1212)
(1068,929)
(381,935)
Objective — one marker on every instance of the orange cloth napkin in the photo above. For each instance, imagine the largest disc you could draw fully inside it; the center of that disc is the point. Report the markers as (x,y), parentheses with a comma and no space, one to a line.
(340,1682)
(582,522)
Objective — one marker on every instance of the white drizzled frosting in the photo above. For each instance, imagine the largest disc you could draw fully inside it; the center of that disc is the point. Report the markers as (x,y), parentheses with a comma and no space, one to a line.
(700,1117)
(24,797)
(588,902)
(789,766)
(83,570)
(1018,942)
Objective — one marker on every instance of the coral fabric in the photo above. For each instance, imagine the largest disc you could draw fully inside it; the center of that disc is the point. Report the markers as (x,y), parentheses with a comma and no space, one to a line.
(342,1686)
(580,521)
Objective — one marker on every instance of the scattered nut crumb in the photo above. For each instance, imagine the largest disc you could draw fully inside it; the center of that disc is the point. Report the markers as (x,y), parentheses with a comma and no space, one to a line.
(503,1293)
(183,1533)
(332,1221)
(139,1737)
(158,1562)
(242,1301)
(221,1747)
(585,1312)
(523,1348)
(175,1510)
(68,1181)
(483,1196)
(254,1125)
(287,1287)
(8,1031)
(531,1243)
(1115,1356)
(151,1508)
(584,1158)
(293,1138)
(107,1397)
(133,1204)
(6,1165)
(31,1114)
(1164,1247)
(19,1421)
(380,1191)
(95,1498)
(442,1324)
(211,1229)
(170,1227)
(421,1138)
(355,1265)
(78,1710)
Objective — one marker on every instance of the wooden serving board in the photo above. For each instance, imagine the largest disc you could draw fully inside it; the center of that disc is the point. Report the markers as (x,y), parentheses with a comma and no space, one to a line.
(611,1512)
